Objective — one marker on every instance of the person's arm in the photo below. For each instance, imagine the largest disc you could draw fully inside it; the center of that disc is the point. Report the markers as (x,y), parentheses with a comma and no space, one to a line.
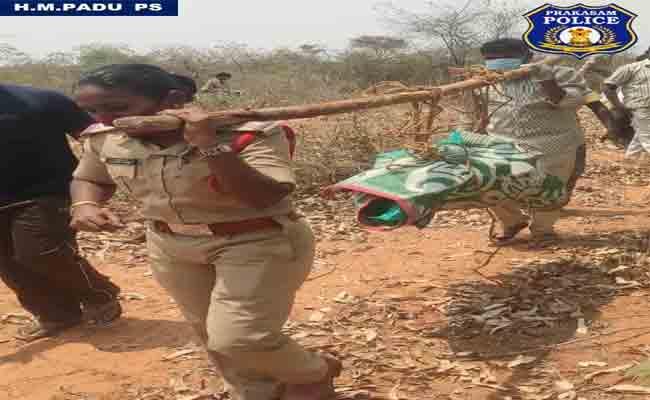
(611,92)
(600,63)
(240,179)
(87,191)
(545,77)
(565,88)
(611,85)
(91,187)
(260,176)
(86,208)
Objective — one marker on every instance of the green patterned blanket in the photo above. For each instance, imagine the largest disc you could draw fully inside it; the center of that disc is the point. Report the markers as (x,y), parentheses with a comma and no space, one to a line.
(468,171)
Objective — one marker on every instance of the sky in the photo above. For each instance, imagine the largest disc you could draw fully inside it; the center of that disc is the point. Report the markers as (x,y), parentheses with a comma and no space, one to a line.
(258,24)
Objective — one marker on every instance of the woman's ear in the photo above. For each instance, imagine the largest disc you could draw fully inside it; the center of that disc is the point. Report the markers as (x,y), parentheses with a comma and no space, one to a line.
(175,99)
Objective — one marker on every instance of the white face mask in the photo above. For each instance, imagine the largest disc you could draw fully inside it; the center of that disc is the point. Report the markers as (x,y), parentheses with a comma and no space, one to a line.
(503,64)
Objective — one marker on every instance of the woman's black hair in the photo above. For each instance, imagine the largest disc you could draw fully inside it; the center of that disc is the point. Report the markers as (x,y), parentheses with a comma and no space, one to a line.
(141,79)
(188,85)
(506,45)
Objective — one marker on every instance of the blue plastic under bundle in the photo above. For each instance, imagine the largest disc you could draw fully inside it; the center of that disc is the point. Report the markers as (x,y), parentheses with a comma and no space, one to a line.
(389,213)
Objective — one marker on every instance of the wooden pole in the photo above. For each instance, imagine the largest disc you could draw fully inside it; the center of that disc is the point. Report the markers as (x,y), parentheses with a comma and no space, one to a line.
(233,117)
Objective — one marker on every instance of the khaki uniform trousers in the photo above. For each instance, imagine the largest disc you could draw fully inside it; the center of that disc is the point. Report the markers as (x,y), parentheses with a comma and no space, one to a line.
(237,292)
(509,212)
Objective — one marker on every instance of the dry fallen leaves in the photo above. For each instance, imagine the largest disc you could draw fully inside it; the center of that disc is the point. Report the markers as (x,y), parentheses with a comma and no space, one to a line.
(16,318)
(640,373)
(588,364)
(563,386)
(570,395)
(179,354)
(633,389)
(132,296)
(608,371)
(371,335)
(521,360)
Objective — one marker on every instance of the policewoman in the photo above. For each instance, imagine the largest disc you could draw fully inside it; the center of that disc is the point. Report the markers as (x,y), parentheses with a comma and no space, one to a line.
(223,237)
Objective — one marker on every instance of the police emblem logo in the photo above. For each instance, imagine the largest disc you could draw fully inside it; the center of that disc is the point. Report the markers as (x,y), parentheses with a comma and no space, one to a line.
(580,30)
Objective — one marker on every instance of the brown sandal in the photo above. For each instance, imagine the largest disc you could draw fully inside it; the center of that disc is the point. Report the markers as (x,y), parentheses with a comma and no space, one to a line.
(323,390)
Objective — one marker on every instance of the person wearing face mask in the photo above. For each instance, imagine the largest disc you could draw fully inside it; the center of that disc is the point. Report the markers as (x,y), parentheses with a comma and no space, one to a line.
(538,111)
(222,234)
(39,257)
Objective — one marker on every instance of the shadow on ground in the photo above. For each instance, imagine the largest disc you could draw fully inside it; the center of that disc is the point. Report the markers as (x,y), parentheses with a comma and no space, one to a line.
(534,309)
(124,336)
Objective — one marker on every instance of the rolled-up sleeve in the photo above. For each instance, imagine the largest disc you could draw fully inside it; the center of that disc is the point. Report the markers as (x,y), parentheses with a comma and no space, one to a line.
(620,77)
(270,155)
(91,168)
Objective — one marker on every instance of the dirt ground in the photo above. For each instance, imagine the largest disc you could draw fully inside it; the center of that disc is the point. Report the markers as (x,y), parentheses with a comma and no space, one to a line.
(414,314)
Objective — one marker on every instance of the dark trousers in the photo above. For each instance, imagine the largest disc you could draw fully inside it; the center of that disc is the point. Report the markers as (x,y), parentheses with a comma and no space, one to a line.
(40,263)
(581,166)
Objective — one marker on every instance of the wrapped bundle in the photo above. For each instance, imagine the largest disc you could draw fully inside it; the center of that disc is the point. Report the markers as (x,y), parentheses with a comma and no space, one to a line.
(466,171)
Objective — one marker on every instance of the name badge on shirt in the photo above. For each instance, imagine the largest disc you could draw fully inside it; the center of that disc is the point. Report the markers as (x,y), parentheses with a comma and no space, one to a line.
(121,167)
(121,161)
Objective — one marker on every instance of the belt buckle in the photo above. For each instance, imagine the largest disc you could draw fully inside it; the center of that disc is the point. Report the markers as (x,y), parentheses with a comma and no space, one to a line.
(160,226)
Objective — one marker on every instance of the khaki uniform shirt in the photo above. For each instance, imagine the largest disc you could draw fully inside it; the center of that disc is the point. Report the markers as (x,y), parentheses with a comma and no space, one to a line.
(519,111)
(634,81)
(172,183)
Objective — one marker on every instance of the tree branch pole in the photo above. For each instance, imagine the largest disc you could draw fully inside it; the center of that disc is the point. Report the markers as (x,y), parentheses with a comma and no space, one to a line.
(233,117)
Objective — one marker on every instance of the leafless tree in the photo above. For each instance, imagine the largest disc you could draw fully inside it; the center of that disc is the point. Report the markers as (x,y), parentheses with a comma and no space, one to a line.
(459,28)
(61,58)
(382,46)
(234,53)
(504,19)
(183,59)
(312,49)
(11,55)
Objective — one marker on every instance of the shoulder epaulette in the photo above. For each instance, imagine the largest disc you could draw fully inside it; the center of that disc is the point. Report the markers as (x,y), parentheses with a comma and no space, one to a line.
(96,129)
(262,128)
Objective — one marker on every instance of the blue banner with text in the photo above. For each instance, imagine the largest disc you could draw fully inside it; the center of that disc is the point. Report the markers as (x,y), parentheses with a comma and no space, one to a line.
(89,8)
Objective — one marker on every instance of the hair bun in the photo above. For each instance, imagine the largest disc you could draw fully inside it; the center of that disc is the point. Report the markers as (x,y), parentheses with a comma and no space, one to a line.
(187,84)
